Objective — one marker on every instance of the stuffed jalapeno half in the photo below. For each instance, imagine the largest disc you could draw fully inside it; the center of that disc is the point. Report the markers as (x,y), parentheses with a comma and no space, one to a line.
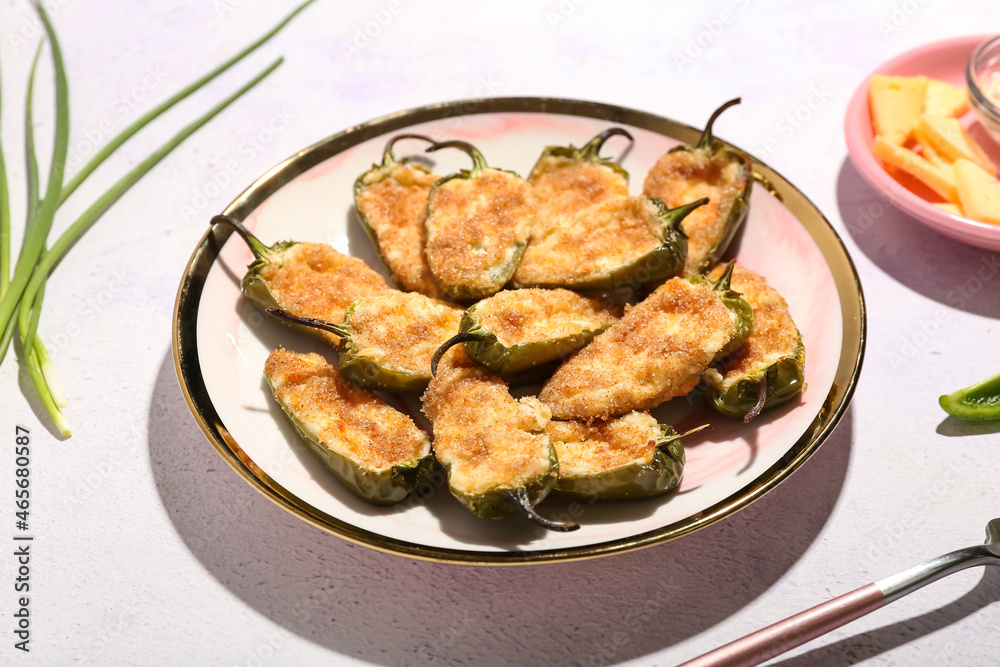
(391,201)
(709,169)
(387,340)
(656,351)
(478,222)
(622,458)
(494,448)
(515,331)
(622,242)
(567,179)
(305,279)
(767,370)
(373,449)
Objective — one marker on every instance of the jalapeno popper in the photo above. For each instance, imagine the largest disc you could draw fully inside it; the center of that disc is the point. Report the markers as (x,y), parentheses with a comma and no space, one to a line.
(304,279)
(391,200)
(518,330)
(622,458)
(387,340)
(494,447)
(567,179)
(656,352)
(708,169)
(478,222)
(622,242)
(374,450)
(767,370)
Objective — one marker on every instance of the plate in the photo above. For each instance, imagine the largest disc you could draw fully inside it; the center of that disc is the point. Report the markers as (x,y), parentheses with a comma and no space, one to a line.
(943,60)
(221,341)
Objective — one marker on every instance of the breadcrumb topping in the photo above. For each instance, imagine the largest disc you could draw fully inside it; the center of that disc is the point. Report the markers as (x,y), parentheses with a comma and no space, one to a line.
(347,419)
(654,353)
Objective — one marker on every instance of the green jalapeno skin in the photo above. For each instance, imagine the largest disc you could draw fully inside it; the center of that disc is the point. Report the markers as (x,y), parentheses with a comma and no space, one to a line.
(634,480)
(520,363)
(768,370)
(498,458)
(505,501)
(407,263)
(979,402)
(700,259)
(258,292)
(377,487)
(770,387)
(357,367)
(589,153)
(380,487)
(664,261)
(735,303)
(477,282)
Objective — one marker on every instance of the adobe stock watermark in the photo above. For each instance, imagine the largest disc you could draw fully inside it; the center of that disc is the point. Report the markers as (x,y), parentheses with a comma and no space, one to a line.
(454,117)
(224,7)
(121,108)
(710,33)
(365,33)
(92,305)
(793,121)
(561,12)
(247,150)
(31,26)
(899,15)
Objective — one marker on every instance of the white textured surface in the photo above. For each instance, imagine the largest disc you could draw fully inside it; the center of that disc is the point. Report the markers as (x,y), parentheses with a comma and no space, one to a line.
(149,550)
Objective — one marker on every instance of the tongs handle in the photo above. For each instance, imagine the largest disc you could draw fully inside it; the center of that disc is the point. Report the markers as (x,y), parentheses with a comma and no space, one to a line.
(798,629)
(806,625)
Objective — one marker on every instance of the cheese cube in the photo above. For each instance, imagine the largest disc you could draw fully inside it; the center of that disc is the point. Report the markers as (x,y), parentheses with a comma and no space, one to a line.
(950,140)
(896,104)
(978,190)
(938,178)
(944,99)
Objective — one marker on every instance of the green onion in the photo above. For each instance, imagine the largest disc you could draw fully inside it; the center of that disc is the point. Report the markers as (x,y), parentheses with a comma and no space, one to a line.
(152,114)
(22,291)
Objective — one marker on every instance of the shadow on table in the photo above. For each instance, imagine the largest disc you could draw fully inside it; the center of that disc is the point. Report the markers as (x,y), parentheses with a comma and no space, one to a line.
(940,268)
(870,644)
(390,610)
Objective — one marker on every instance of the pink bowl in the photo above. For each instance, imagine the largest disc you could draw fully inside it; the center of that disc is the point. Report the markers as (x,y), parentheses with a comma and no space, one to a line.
(943,60)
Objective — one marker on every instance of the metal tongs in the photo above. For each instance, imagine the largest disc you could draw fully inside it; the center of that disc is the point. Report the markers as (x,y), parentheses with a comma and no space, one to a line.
(807,625)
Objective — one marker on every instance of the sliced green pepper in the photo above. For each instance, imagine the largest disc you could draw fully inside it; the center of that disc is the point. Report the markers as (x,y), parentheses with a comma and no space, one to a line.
(980,402)
(494,448)
(622,458)
(515,331)
(478,222)
(387,341)
(304,279)
(768,369)
(567,179)
(657,351)
(708,169)
(391,200)
(622,242)
(376,451)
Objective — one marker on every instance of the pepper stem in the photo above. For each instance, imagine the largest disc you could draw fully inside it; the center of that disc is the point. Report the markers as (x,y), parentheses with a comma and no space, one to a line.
(478,161)
(520,498)
(724,283)
(707,139)
(761,399)
(665,439)
(258,249)
(460,337)
(590,151)
(387,156)
(672,218)
(338,329)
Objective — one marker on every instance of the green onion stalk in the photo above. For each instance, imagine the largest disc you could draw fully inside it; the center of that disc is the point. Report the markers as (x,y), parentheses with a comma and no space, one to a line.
(22,291)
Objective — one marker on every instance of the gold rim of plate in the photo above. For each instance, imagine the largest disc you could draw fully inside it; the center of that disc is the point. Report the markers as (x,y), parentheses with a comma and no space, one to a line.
(187,366)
